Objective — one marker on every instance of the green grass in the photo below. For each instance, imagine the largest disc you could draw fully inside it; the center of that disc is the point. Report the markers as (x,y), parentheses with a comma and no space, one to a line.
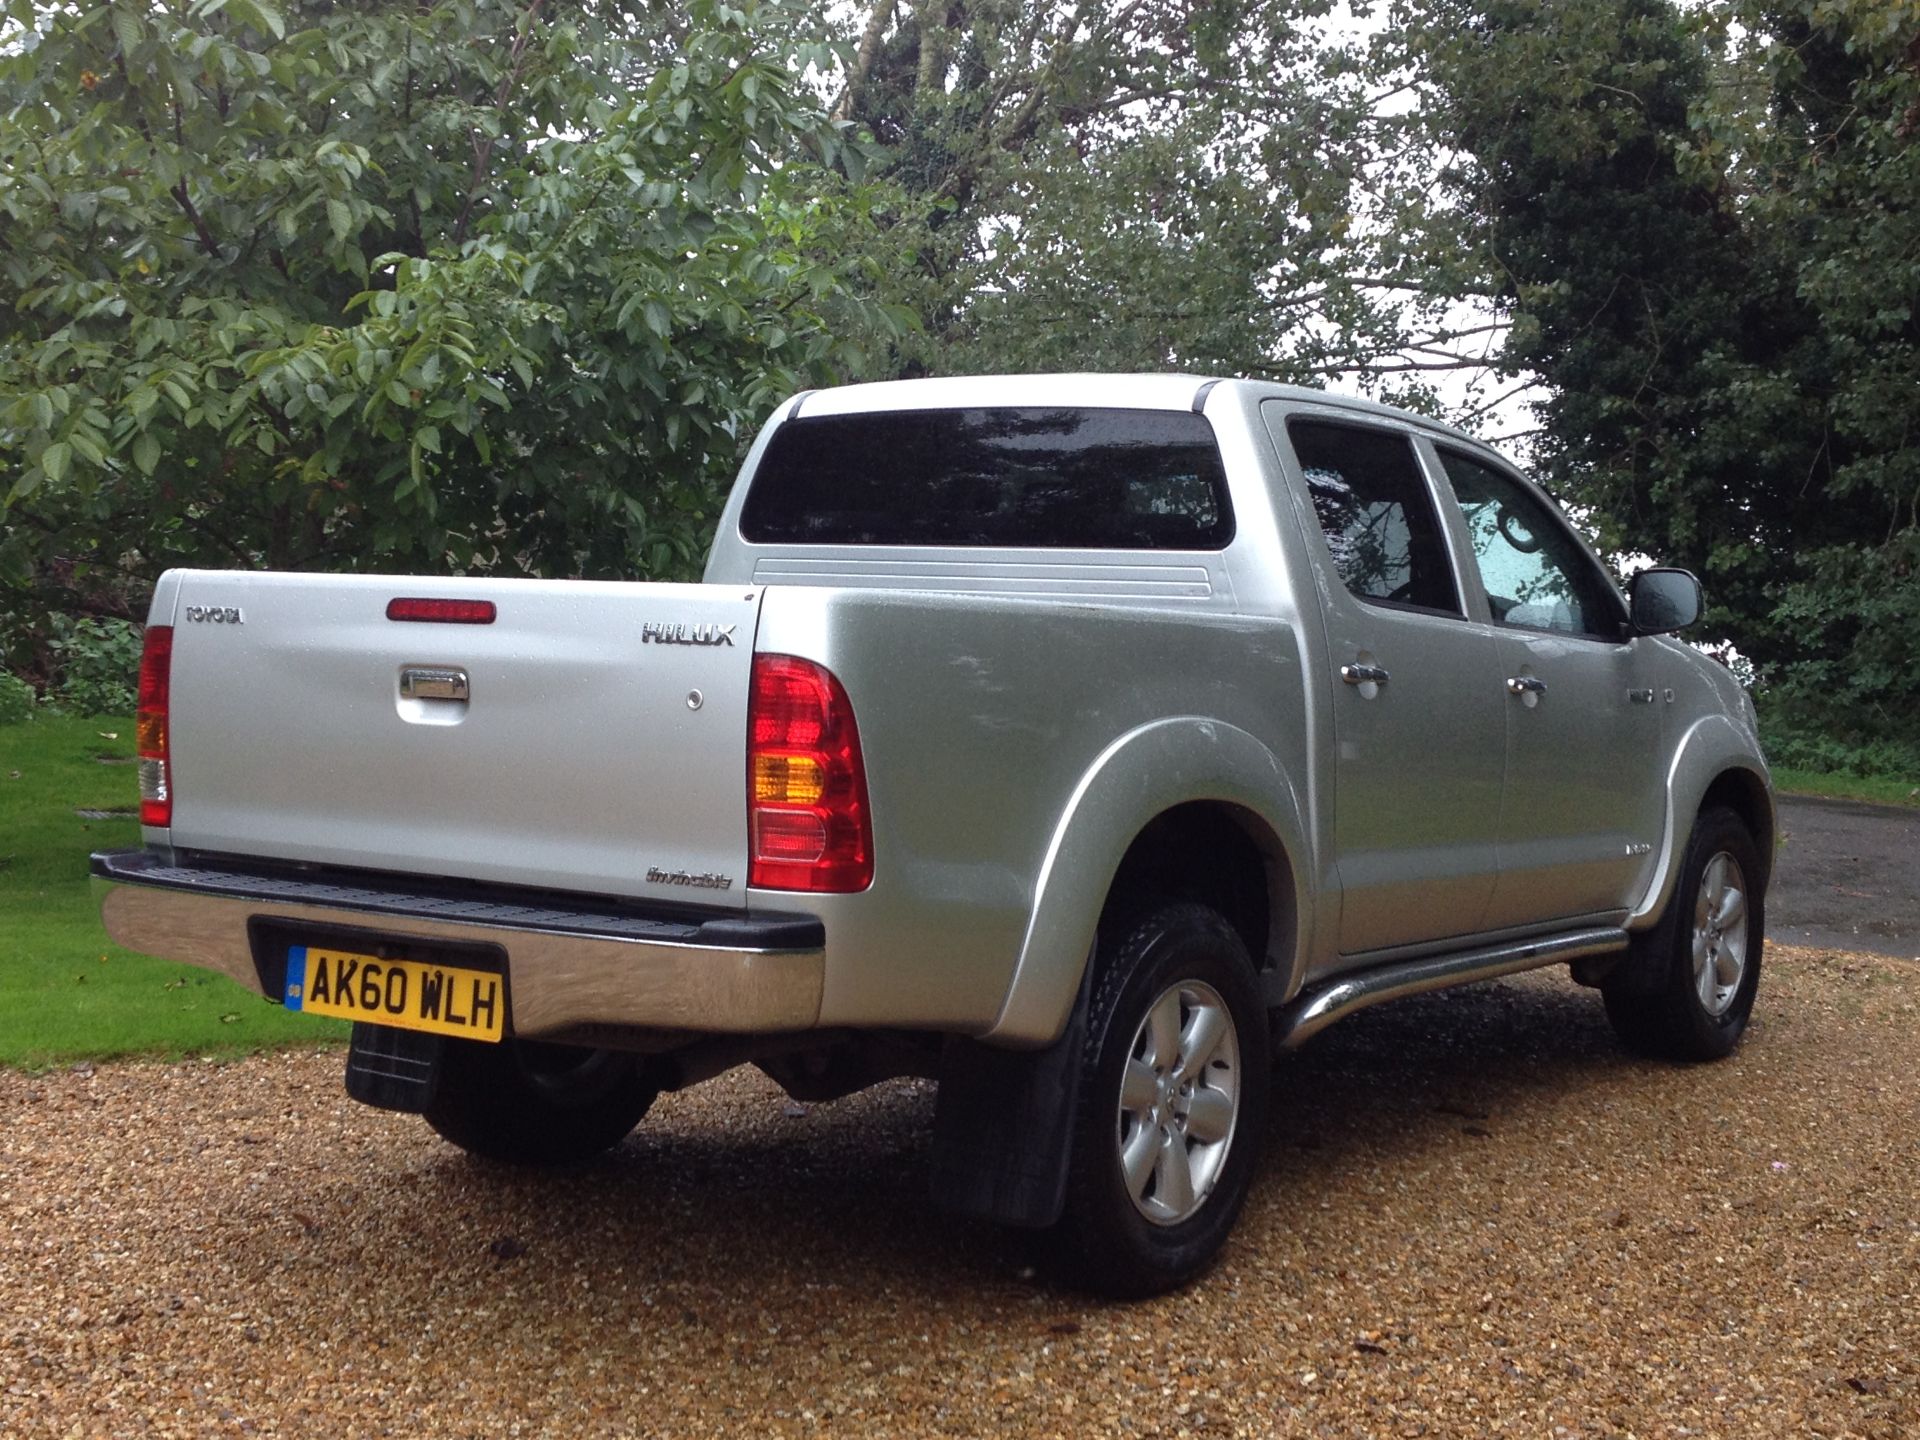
(66,991)
(1876,789)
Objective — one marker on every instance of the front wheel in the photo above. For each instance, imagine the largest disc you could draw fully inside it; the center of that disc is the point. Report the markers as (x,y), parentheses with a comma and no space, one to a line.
(1690,991)
(528,1102)
(1173,1105)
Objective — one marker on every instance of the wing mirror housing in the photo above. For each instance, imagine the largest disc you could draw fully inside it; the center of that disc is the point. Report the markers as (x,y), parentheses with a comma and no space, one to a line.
(1663,600)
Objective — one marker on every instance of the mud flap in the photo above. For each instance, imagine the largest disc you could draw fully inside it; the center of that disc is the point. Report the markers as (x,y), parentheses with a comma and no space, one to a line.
(393,1069)
(1003,1126)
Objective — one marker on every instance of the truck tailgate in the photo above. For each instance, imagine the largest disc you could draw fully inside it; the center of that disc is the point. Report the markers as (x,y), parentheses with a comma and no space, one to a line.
(600,745)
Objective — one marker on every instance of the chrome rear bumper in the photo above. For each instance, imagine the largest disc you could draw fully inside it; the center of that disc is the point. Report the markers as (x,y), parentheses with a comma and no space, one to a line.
(566,968)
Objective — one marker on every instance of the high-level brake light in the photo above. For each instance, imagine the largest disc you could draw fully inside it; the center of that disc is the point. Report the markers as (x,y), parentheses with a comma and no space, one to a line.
(446,612)
(808,827)
(150,724)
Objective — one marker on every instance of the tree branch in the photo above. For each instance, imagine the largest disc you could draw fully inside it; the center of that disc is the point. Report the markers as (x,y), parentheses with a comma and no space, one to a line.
(1497,401)
(207,242)
(483,148)
(863,61)
(1458,362)
(933,48)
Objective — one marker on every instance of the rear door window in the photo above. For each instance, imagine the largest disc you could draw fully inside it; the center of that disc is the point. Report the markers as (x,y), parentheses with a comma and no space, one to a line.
(1377,514)
(1074,478)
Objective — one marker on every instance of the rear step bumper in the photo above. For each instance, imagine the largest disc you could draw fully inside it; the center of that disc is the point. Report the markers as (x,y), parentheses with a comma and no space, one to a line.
(566,968)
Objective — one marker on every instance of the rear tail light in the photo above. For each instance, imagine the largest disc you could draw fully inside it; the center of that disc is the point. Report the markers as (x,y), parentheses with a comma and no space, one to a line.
(808,826)
(156,778)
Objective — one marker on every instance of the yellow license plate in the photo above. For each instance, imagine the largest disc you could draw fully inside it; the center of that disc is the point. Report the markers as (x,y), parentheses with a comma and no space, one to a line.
(407,994)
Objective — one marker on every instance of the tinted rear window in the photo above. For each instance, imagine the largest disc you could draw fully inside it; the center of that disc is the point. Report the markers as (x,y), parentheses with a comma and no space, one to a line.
(1057,478)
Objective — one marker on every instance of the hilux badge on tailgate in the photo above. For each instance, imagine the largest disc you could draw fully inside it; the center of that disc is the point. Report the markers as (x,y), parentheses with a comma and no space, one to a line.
(656,632)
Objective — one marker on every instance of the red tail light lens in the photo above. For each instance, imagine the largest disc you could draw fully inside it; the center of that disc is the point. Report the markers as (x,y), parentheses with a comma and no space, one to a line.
(808,826)
(150,724)
(446,612)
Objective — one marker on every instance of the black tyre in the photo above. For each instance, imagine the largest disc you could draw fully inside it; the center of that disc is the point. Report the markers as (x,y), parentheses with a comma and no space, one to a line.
(1688,990)
(1172,1108)
(531,1103)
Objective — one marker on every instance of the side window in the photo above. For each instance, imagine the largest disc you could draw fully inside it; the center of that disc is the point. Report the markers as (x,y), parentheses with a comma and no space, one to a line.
(1535,575)
(1376,513)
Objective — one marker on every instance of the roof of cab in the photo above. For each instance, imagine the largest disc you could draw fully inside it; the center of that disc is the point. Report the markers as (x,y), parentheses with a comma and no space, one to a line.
(1122,392)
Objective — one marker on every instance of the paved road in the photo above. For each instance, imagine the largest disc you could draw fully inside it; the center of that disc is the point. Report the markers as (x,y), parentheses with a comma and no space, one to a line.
(1847,877)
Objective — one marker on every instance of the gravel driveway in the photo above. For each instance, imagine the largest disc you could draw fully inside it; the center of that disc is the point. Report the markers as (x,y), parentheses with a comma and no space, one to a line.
(1476,1216)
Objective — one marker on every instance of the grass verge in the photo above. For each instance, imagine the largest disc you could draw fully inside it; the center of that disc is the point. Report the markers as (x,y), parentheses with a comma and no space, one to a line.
(1875,789)
(66,991)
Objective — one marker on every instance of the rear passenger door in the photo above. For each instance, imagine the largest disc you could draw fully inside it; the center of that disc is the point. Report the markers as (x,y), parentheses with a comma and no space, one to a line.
(1417,701)
(1586,786)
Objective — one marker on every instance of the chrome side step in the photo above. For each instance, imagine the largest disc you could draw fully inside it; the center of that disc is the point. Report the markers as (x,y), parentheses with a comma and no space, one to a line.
(1315,1009)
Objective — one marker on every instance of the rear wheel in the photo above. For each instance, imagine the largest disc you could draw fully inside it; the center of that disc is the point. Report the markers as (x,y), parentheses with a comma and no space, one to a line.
(528,1102)
(1690,993)
(1173,1103)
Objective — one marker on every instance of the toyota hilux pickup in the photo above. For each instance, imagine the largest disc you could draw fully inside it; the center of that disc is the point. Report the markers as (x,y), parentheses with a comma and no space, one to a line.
(1075,741)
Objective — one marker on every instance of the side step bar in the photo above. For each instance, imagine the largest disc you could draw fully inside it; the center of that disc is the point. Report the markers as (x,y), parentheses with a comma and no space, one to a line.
(1315,1009)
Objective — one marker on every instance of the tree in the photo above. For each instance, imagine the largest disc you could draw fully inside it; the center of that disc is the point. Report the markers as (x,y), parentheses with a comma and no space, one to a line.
(1835,182)
(1707,249)
(1142,184)
(469,284)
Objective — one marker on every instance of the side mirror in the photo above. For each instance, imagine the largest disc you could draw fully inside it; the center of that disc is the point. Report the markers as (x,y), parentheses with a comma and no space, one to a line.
(1663,600)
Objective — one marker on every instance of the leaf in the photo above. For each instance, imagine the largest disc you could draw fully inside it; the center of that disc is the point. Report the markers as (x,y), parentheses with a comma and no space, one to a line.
(260,15)
(339,219)
(126,29)
(146,452)
(54,461)
(427,437)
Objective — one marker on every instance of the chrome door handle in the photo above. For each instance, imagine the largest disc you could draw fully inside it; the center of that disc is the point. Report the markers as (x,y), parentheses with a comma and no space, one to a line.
(1363,675)
(432,682)
(1523,684)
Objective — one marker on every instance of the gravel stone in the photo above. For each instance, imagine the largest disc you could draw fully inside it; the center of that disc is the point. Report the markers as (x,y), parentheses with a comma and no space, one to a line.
(1476,1216)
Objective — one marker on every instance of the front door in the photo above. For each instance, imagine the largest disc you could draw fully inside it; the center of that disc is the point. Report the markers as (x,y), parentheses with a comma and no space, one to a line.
(1585,804)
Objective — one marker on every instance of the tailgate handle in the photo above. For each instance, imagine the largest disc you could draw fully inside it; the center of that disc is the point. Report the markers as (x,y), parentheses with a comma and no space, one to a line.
(432,682)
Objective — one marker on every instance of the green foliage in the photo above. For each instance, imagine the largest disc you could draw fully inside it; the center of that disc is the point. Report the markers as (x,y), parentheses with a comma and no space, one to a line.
(1814,751)
(442,286)
(16,699)
(1144,185)
(1874,789)
(1856,612)
(1627,291)
(502,285)
(1704,225)
(97,663)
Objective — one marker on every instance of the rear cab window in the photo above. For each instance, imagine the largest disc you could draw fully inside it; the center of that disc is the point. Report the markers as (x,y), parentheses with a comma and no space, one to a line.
(1053,477)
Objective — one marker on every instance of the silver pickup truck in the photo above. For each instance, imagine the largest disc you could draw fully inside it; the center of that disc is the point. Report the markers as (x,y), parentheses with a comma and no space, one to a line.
(1075,740)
